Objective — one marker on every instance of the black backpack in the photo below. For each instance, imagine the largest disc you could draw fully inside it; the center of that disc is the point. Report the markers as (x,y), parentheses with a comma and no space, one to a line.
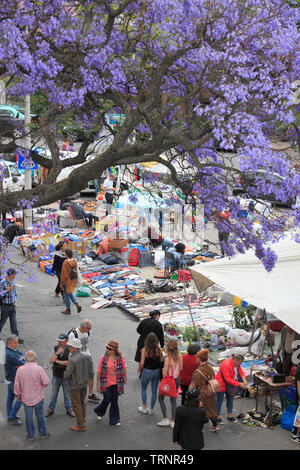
(73,330)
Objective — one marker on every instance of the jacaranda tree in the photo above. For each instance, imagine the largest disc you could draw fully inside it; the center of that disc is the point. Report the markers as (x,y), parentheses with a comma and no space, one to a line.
(198,77)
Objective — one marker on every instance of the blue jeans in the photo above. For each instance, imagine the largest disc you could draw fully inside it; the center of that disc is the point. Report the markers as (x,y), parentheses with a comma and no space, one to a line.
(110,397)
(147,376)
(9,311)
(229,402)
(39,413)
(11,407)
(68,298)
(58,382)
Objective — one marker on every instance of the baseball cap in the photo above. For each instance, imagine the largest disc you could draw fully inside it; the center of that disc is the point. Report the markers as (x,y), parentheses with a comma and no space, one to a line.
(11,271)
(62,337)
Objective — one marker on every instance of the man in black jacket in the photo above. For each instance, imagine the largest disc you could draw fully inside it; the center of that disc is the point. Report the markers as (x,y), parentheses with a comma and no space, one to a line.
(149,325)
(59,361)
(189,421)
(13,230)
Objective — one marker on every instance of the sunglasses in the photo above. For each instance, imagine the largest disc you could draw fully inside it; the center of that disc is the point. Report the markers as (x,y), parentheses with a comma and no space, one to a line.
(109,349)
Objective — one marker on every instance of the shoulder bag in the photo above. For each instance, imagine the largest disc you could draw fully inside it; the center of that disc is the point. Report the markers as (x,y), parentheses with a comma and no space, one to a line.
(231,390)
(212,385)
(167,387)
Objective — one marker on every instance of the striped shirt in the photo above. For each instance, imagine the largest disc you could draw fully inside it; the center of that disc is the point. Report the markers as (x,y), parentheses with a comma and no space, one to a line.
(10,297)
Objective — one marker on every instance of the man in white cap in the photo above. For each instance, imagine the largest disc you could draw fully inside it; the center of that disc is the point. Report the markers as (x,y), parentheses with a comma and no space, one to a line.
(79,372)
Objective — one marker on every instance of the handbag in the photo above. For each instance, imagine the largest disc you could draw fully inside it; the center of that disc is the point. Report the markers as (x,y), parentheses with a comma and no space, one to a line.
(231,390)
(167,387)
(212,385)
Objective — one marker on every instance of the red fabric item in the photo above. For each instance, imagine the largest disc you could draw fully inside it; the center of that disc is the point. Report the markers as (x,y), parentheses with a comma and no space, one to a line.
(189,365)
(227,369)
(184,275)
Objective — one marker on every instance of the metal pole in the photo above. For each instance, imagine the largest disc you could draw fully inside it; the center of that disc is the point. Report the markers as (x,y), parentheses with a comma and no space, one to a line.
(27,141)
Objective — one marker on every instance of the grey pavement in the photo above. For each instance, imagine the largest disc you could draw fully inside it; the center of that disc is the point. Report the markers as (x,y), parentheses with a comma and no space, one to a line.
(40,322)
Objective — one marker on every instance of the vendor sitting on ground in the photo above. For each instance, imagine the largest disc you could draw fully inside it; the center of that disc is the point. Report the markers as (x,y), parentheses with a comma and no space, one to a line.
(178,256)
(156,239)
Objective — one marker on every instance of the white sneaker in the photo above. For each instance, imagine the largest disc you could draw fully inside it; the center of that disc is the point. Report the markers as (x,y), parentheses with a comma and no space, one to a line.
(99,418)
(143,410)
(163,422)
(172,424)
(150,411)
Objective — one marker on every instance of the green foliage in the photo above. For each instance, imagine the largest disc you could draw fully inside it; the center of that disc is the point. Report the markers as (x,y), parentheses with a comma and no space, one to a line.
(192,334)
(244,317)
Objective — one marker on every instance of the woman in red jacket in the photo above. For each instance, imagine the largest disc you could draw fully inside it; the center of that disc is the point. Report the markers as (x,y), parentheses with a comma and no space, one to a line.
(190,363)
(229,373)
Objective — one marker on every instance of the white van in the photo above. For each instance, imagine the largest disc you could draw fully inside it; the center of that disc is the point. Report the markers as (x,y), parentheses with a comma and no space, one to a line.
(12,179)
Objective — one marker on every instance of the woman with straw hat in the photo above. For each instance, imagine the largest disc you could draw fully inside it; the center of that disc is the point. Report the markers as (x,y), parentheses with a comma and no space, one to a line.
(111,378)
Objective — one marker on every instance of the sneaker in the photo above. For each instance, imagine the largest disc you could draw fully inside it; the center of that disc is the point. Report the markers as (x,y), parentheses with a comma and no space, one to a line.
(294,437)
(46,435)
(29,438)
(92,397)
(163,422)
(232,419)
(150,411)
(16,421)
(172,424)
(99,418)
(220,421)
(143,410)
(118,424)
(214,428)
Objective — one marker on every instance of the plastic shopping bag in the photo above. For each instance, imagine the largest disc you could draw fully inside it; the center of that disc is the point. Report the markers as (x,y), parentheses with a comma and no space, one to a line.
(297,418)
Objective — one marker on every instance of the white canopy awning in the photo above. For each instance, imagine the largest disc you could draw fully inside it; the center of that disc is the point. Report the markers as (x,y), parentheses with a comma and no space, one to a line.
(244,275)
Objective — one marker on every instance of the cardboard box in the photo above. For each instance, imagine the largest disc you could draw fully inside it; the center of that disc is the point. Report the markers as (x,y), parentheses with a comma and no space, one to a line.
(117,243)
(79,246)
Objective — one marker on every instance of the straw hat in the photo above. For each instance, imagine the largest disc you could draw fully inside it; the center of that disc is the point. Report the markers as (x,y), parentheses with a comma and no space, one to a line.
(113,345)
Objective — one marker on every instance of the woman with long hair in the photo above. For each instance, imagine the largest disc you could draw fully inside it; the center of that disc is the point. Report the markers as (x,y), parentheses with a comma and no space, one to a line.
(111,378)
(149,370)
(200,378)
(172,367)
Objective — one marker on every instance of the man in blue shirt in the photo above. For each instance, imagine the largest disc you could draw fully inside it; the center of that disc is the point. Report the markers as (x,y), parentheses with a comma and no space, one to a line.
(8,294)
(13,359)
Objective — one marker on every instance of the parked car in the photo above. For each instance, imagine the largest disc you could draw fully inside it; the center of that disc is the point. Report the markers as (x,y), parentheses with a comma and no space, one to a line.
(12,120)
(74,132)
(249,180)
(13,180)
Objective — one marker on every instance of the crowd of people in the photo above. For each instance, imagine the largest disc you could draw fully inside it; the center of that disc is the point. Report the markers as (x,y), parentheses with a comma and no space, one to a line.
(169,372)
(73,372)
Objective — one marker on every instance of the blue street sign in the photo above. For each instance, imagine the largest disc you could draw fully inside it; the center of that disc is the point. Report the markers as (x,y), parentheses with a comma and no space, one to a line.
(22,165)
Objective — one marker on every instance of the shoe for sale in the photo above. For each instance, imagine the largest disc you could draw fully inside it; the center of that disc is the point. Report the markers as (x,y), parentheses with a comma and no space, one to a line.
(48,413)
(143,410)
(93,398)
(163,422)
(70,413)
